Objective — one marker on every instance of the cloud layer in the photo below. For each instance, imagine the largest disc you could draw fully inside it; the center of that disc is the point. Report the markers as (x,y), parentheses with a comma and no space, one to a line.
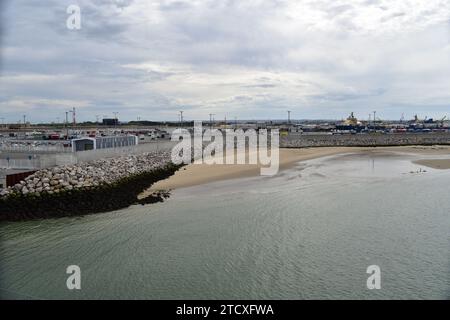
(245,59)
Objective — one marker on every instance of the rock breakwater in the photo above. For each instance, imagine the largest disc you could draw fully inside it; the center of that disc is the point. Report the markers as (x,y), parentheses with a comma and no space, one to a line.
(98,186)
(365,140)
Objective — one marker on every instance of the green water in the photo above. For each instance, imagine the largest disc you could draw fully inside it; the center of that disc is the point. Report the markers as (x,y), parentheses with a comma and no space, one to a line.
(309,232)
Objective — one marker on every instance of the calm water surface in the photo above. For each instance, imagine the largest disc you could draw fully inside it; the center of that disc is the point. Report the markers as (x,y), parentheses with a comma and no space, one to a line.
(310,232)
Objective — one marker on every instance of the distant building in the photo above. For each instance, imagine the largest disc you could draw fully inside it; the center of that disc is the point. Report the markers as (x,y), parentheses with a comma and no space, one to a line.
(110,121)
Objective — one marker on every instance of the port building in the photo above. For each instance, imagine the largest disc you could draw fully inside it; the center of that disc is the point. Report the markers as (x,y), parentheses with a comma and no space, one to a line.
(88,143)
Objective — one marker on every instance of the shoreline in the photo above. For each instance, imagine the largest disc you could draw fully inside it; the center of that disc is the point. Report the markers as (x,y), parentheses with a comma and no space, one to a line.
(199,174)
(154,185)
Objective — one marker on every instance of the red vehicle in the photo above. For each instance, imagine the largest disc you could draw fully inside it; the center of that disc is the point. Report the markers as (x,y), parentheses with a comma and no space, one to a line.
(54,137)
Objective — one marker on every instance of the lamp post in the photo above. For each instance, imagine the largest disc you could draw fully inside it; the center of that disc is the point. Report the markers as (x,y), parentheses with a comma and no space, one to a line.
(181,118)
(374,118)
(66,124)
(115,118)
(211,115)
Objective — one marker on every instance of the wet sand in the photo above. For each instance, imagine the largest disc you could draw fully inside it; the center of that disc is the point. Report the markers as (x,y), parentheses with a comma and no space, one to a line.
(435,163)
(196,174)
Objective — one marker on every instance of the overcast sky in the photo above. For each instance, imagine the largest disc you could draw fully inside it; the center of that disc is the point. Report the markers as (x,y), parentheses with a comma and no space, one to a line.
(245,59)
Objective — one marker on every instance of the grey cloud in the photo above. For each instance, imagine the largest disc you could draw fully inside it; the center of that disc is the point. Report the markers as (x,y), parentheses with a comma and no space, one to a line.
(392,16)
(263,85)
(301,67)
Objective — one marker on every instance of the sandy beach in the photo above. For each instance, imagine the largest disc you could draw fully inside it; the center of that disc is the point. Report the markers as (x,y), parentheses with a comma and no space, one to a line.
(435,163)
(196,174)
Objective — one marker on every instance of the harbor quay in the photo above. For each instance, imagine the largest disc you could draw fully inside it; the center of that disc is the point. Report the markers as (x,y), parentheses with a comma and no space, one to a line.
(364,140)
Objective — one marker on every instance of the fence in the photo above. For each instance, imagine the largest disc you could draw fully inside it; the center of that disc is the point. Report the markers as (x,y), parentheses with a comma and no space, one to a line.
(20,164)
(33,148)
(90,155)
(50,160)
(43,160)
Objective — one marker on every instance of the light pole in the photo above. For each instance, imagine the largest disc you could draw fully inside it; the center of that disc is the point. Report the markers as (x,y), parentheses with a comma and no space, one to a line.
(211,115)
(181,118)
(74,119)
(374,118)
(115,118)
(66,125)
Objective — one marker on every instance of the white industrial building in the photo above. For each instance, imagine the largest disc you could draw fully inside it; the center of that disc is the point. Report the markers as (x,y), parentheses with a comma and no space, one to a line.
(88,143)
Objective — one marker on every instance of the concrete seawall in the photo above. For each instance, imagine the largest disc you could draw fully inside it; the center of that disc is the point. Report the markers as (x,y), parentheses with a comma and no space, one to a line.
(364,140)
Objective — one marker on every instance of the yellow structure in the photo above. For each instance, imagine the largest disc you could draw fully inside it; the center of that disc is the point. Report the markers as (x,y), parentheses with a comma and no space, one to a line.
(351,120)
